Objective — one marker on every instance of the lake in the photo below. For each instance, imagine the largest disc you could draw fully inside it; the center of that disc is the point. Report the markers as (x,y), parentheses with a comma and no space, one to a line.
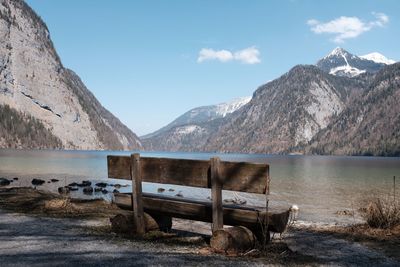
(319,185)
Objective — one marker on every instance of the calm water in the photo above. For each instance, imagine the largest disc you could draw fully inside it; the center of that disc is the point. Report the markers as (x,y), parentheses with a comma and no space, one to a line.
(319,185)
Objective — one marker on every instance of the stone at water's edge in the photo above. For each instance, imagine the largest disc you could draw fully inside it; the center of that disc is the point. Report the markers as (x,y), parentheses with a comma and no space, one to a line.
(88,190)
(38,181)
(4,182)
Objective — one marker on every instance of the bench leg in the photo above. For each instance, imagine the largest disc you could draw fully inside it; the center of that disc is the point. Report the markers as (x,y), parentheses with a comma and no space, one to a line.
(137,202)
(216,195)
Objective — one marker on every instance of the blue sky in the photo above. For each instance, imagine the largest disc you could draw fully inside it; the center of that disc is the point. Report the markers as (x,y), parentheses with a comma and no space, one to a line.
(150,61)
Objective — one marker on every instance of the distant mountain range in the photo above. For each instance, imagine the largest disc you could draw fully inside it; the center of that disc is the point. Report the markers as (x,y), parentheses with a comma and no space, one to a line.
(339,106)
(43,104)
(200,115)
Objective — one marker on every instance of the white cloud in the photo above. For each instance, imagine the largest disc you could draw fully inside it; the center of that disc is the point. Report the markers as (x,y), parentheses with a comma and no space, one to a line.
(347,27)
(211,54)
(249,55)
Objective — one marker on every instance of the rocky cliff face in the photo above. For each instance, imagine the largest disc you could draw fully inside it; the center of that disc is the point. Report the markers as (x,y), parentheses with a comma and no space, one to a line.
(34,83)
(370,124)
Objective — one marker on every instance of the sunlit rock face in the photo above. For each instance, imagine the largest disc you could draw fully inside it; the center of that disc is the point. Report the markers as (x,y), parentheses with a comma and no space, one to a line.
(34,82)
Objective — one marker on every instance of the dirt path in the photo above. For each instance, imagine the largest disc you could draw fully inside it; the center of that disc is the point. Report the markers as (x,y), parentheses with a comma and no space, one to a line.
(335,251)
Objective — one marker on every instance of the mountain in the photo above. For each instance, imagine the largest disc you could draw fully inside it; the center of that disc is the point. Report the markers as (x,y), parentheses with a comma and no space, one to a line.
(286,112)
(187,123)
(46,105)
(341,63)
(282,114)
(370,124)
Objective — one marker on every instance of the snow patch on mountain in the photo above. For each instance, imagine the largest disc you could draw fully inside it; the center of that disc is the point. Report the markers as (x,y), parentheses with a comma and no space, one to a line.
(224,109)
(346,70)
(378,58)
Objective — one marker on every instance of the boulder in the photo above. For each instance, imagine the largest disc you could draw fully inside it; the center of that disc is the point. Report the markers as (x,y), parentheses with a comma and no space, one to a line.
(63,190)
(85,184)
(88,190)
(101,184)
(4,182)
(38,181)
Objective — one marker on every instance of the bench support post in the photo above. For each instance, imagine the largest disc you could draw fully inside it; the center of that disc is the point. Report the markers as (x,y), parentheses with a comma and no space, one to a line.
(216,195)
(137,203)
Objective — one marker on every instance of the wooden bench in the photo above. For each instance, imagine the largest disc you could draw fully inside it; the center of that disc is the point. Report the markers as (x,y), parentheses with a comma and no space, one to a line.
(214,174)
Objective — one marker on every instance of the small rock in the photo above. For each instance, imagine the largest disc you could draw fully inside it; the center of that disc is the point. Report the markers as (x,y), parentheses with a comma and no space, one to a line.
(38,181)
(73,184)
(104,191)
(84,184)
(71,188)
(4,182)
(160,190)
(63,190)
(115,191)
(88,190)
(101,184)
(49,182)
(97,189)
(15,178)
(54,180)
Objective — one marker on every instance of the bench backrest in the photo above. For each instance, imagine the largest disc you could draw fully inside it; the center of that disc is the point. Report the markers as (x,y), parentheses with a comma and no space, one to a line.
(235,176)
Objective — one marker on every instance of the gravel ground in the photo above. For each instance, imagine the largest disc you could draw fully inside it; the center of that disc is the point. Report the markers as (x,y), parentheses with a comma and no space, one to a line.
(335,251)
(41,241)
(37,241)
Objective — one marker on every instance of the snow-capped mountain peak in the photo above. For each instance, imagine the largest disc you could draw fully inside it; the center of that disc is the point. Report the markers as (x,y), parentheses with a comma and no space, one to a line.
(378,58)
(338,51)
(340,62)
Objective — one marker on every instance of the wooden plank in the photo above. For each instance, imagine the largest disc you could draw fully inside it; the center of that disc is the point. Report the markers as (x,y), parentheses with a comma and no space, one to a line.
(236,176)
(119,167)
(176,171)
(197,211)
(216,195)
(137,200)
(163,170)
(245,177)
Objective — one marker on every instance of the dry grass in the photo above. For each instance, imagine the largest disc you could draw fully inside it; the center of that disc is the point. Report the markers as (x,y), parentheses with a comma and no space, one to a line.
(382,212)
